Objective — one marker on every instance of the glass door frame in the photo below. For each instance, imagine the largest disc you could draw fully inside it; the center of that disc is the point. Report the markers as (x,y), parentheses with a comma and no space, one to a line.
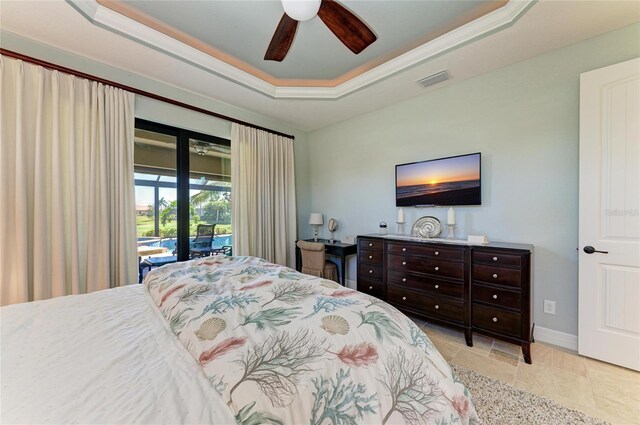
(182,175)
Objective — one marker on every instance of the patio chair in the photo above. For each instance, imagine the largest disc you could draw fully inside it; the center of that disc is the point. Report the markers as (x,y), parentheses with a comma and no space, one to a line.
(201,245)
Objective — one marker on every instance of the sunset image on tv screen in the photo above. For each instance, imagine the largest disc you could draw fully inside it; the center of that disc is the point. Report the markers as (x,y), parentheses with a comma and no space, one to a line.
(447,181)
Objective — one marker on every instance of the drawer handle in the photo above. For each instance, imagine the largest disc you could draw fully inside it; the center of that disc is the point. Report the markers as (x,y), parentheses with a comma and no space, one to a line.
(370,271)
(437,286)
(404,249)
(404,279)
(404,263)
(495,258)
(370,244)
(370,287)
(437,306)
(495,297)
(437,268)
(437,253)
(371,256)
(495,276)
(404,298)
(495,319)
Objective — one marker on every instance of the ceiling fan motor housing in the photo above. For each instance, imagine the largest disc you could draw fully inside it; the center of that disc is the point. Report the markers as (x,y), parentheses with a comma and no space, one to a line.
(301,10)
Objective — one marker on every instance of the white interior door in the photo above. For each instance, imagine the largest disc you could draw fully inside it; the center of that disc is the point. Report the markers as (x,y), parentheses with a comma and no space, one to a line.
(609,281)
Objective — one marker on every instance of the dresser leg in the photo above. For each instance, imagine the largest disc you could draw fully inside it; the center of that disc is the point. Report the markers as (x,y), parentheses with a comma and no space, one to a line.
(468,337)
(526,352)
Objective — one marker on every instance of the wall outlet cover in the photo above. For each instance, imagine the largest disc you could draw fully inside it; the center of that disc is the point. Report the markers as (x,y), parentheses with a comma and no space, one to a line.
(348,239)
(549,307)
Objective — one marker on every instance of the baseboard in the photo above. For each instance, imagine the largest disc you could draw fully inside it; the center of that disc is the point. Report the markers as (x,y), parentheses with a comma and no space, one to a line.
(549,336)
(560,339)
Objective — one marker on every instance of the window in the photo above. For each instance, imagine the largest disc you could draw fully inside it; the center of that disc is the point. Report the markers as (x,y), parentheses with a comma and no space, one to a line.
(182,179)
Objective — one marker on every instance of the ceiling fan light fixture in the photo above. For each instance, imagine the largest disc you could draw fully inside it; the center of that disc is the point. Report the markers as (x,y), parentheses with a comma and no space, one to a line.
(301,10)
(200,148)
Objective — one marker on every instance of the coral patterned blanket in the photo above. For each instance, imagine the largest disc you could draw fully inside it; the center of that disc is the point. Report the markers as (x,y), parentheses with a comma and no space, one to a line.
(281,347)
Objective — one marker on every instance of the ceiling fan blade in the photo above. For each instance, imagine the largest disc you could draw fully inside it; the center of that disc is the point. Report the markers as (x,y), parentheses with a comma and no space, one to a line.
(282,39)
(346,26)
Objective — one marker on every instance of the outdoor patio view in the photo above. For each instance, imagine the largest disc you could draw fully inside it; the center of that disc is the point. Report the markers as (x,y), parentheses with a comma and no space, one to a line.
(156,217)
(157,195)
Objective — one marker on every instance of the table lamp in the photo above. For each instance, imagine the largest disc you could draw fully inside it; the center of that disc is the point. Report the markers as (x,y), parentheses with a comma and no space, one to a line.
(315,219)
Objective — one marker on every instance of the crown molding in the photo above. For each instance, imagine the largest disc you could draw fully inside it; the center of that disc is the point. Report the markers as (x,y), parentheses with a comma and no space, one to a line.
(121,24)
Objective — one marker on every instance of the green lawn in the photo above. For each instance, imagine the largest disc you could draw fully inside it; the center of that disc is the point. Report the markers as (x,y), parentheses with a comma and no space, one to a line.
(145,224)
(145,227)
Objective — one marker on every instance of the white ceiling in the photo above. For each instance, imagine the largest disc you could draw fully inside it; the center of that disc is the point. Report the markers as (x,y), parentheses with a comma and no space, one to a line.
(546,26)
(243,29)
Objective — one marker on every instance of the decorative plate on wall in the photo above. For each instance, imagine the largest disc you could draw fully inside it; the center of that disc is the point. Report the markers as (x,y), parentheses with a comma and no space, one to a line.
(426,227)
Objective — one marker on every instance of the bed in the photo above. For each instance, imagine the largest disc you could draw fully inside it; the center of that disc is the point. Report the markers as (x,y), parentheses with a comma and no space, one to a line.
(223,340)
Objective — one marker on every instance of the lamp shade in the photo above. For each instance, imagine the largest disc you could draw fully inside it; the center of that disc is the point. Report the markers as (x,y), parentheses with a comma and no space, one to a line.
(316,218)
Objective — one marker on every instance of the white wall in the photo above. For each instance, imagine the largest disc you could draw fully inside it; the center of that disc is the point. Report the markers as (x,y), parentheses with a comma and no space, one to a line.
(524,120)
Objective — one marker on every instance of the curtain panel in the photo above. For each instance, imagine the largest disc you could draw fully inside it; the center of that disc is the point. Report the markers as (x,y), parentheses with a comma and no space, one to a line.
(263,202)
(67,203)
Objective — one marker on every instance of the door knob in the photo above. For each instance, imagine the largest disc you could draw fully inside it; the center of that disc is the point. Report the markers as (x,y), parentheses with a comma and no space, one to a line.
(590,250)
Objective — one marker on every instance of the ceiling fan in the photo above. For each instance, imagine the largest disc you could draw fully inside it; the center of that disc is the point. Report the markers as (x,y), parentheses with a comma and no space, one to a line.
(349,29)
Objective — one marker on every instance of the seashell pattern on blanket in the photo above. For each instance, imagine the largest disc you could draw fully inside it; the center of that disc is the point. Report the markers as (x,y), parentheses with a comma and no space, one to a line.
(335,325)
(210,328)
(282,347)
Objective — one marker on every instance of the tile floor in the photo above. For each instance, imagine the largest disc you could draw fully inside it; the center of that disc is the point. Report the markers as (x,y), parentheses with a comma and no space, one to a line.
(598,389)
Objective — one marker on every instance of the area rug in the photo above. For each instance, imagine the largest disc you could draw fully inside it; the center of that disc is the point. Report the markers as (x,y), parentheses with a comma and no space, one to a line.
(499,403)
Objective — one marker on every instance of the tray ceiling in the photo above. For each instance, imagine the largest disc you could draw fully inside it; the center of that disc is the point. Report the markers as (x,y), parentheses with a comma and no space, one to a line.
(228,38)
(238,32)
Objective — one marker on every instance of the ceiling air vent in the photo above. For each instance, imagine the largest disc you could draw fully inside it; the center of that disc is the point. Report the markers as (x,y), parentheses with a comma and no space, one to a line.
(434,79)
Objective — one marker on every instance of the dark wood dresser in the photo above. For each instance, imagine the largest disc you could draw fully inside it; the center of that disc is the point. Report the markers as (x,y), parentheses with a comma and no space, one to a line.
(477,288)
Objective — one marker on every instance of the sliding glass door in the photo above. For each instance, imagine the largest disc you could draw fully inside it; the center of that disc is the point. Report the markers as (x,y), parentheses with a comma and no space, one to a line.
(183,180)
(210,189)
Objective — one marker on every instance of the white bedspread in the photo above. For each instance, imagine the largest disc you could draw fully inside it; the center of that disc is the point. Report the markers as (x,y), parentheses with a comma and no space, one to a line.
(105,357)
(223,340)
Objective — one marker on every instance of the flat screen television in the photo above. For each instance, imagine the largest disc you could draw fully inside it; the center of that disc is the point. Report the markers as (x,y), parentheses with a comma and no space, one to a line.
(445,181)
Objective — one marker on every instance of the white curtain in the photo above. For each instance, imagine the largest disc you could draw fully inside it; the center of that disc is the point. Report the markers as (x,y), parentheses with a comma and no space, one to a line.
(67,208)
(263,201)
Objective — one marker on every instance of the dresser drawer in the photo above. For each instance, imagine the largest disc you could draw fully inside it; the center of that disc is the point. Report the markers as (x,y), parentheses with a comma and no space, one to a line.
(497,258)
(497,297)
(370,257)
(496,320)
(370,287)
(372,244)
(432,286)
(497,275)
(423,265)
(425,251)
(436,307)
(367,271)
